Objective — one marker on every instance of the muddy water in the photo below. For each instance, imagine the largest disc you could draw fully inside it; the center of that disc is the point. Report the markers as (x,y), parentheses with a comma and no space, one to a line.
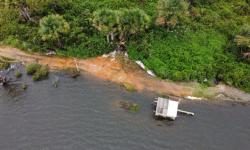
(81,114)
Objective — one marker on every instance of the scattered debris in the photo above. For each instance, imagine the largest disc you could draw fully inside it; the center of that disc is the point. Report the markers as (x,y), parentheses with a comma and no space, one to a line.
(150,72)
(105,55)
(112,54)
(3,80)
(193,98)
(77,68)
(140,64)
(50,53)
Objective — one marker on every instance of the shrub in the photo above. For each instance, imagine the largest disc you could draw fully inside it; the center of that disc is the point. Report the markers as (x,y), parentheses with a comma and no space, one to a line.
(129,87)
(18,74)
(170,12)
(32,68)
(41,73)
(4,64)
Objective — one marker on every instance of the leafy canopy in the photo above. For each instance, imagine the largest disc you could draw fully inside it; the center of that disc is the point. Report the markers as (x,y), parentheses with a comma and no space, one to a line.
(122,22)
(52,27)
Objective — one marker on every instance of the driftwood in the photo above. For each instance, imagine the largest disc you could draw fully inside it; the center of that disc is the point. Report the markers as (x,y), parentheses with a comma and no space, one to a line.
(3,80)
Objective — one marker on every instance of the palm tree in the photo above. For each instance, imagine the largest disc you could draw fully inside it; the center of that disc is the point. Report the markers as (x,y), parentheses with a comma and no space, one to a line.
(121,23)
(106,21)
(52,28)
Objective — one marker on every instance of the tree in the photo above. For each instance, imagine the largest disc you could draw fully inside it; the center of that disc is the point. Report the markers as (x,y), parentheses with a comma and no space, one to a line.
(132,22)
(120,24)
(52,28)
(107,21)
(170,12)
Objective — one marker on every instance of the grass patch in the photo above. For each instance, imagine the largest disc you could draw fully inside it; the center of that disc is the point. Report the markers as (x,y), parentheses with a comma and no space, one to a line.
(18,74)
(129,87)
(41,73)
(37,71)
(5,63)
(134,107)
(32,68)
(24,86)
(130,106)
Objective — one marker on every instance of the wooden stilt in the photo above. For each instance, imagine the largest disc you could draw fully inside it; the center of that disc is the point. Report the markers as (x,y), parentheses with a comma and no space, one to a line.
(185,112)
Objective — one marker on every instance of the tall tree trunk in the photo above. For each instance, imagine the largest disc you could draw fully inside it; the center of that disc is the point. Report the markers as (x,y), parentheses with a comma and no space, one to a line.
(59,44)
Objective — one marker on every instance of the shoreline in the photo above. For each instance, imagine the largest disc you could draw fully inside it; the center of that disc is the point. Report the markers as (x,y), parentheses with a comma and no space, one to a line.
(113,70)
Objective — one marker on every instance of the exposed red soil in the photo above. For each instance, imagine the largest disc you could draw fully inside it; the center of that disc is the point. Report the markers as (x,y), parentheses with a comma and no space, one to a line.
(113,70)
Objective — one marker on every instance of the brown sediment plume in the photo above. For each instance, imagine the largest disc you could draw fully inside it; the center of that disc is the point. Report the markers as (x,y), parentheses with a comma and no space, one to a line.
(113,70)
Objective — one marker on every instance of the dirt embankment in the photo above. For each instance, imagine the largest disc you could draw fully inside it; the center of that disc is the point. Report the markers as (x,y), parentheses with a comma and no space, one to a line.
(115,71)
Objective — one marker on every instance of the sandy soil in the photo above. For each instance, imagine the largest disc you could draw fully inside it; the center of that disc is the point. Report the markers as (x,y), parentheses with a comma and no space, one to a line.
(115,71)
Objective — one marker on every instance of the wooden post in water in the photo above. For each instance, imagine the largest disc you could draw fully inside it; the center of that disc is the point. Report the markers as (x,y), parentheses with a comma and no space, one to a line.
(185,112)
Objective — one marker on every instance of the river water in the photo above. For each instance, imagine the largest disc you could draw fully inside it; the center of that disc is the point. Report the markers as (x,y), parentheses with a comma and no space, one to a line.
(81,114)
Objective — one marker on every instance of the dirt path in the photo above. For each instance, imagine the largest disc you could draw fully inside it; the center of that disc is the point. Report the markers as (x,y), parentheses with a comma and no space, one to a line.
(112,70)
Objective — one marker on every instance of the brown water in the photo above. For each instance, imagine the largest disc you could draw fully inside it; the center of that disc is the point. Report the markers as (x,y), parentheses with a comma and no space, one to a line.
(80,114)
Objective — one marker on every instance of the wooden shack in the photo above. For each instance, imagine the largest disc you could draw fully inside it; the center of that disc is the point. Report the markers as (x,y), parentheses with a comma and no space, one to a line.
(166,108)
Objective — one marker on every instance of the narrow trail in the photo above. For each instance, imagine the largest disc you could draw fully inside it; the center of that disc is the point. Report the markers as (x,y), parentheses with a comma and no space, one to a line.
(112,70)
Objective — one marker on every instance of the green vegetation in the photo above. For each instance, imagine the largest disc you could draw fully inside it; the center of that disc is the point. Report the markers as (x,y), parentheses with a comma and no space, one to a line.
(31,69)
(130,106)
(129,87)
(134,107)
(4,64)
(182,40)
(41,73)
(24,86)
(18,74)
(121,23)
(170,12)
(37,71)
(52,28)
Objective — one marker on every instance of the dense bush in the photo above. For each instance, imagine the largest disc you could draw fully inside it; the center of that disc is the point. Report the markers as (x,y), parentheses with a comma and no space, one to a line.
(32,68)
(37,71)
(41,73)
(18,74)
(170,12)
(188,55)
